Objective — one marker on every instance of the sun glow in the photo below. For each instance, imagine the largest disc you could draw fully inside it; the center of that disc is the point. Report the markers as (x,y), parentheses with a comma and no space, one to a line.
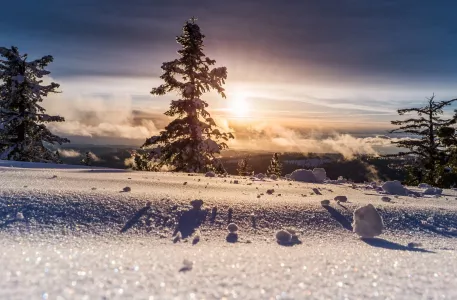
(239,106)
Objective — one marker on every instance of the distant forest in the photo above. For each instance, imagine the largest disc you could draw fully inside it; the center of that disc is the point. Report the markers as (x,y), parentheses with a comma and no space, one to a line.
(358,169)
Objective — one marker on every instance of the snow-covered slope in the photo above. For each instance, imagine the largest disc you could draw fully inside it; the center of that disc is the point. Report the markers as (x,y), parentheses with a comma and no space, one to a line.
(74,231)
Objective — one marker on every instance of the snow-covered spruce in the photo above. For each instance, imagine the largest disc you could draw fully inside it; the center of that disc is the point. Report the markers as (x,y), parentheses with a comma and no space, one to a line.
(244,168)
(191,142)
(275,167)
(23,133)
(88,159)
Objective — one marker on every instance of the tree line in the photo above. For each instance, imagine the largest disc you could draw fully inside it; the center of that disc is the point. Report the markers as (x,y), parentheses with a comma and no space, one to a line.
(192,141)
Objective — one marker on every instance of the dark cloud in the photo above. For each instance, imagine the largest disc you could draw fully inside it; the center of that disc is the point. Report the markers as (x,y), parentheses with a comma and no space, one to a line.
(317,39)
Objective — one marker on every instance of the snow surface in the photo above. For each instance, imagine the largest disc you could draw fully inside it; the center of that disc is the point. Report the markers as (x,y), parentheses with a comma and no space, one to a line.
(81,237)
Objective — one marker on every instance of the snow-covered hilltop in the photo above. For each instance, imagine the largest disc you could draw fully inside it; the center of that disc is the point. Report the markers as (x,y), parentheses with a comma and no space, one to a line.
(71,231)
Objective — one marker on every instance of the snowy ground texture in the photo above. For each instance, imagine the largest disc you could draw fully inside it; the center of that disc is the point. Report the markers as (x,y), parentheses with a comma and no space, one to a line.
(77,233)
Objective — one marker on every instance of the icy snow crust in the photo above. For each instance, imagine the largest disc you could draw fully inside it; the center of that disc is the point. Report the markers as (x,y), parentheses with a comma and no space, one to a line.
(80,235)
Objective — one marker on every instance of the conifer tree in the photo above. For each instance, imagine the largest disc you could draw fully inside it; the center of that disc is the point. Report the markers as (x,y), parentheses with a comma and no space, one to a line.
(58,160)
(244,168)
(191,142)
(140,161)
(23,133)
(448,171)
(425,145)
(275,166)
(88,159)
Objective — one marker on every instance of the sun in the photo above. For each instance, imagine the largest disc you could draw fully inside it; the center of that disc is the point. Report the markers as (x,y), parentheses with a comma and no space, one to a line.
(239,106)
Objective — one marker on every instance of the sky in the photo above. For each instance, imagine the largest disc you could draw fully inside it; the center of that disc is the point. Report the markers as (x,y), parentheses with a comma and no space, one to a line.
(312,67)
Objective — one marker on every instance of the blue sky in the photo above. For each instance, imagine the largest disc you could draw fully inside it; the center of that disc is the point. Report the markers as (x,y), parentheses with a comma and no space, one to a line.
(344,65)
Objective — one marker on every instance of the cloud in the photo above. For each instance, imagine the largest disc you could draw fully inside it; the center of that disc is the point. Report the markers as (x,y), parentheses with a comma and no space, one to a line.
(98,116)
(270,137)
(69,153)
(362,38)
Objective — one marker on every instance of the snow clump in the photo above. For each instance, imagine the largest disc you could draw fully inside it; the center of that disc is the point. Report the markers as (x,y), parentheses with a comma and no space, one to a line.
(433,191)
(196,204)
(385,199)
(283,237)
(341,199)
(394,188)
(232,228)
(210,174)
(187,266)
(325,202)
(303,175)
(260,176)
(367,222)
(320,174)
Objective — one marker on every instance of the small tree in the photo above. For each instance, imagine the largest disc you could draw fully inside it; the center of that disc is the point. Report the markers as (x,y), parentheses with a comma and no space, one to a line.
(58,160)
(425,145)
(190,142)
(448,171)
(140,161)
(275,166)
(244,168)
(23,133)
(88,159)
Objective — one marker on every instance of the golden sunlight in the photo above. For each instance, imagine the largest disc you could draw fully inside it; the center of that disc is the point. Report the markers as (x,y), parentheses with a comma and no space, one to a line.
(239,106)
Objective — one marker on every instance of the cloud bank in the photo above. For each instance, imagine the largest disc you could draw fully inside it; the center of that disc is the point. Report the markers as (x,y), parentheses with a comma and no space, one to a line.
(94,117)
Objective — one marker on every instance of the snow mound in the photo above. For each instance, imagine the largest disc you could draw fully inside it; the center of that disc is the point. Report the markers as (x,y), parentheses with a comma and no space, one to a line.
(424,185)
(341,198)
(394,188)
(367,222)
(210,174)
(386,199)
(303,175)
(260,176)
(283,237)
(325,202)
(320,174)
(232,227)
(433,191)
